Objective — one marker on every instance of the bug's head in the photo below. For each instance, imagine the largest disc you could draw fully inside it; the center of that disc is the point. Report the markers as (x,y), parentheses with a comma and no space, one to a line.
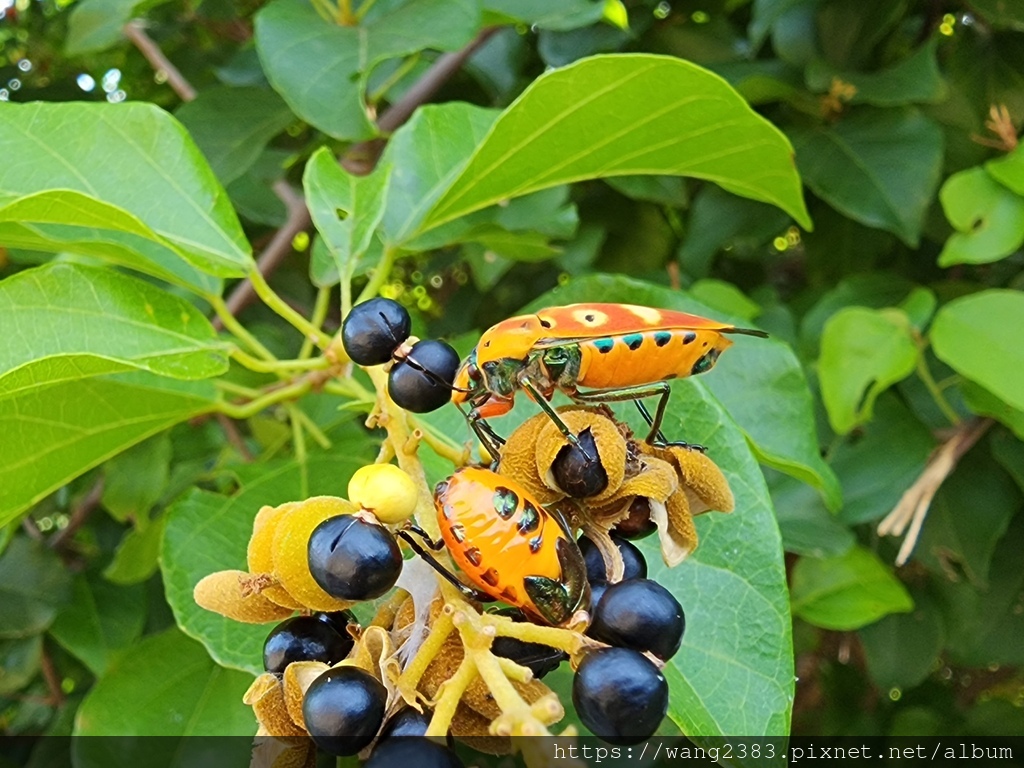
(510,339)
(469,383)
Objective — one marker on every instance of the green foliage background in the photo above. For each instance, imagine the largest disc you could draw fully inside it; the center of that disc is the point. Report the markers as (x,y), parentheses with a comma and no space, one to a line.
(582,152)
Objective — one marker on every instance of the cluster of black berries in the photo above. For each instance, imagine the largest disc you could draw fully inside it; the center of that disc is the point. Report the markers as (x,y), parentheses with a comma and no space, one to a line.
(376,332)
(619,692)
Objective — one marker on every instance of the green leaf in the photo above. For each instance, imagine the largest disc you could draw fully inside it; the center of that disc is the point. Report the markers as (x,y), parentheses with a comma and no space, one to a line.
(879,461)
(984,627)
(663,190)
(33,586)
(76,157)
(71,322)
(978,336)
(320,68)
(593,119)
(879,167)
(846,592)
(19,662)
(760,383)
(58,431)
(720,220)
(735,578)
(100,622)
(725,297)
(915,79)
(95,25)
(135,480)
(863,352)
(166,686)
(427,153)
(874,289)
(207,532)
(954,544)
(806,526)
(1009,169)
(902,649)
(764,15)
(1002,14)
(545,14)
(984,403)
(346,210)
(988,217)
(1009,454)
(233,125)
(136,556)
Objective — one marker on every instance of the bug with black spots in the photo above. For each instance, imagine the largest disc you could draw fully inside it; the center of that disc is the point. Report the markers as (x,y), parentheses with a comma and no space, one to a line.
(509,546)
(617,351)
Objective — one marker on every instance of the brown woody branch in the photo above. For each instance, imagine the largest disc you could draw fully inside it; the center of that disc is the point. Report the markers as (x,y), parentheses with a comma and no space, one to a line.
(136,33)
(79,515)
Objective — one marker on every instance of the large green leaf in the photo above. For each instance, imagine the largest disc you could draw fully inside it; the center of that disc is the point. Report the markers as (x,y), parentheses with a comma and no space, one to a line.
(901,649)
(988,217)
(547,14)
(320,67)
(915,79)
(233,125)
(69,322)
(207,532)
(100,621)
(846,592)
(1008,170)
(345,208)
(596,118)
(863,352)
(165,686)
(33,586)
(879,461)
(56,432)
(94,25)
(979,337)
(879,167)
(733,592)
(78,158)
(760,383)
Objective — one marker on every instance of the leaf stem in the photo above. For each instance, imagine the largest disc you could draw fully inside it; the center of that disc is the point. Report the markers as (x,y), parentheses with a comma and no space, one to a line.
(400,71)
(345,16)
(364,8)
(925,374)
(320,307)
(380,274)
(237,329)
(279,366)
(299,442)
(276,303)
(311,426)
(238,389)
(247,410)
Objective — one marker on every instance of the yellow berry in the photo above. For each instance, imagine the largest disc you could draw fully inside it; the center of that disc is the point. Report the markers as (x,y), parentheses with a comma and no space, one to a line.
(291,562)
(385,490)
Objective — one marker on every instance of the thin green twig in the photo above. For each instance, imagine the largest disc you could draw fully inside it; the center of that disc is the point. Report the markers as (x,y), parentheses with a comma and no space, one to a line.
(320,307)
(279,366)
(925,374)
(276,303)
(282,394)
(299,442)
(380,274)
(237,329)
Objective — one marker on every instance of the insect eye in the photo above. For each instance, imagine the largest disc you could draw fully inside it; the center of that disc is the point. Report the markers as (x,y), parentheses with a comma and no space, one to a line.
(473,371)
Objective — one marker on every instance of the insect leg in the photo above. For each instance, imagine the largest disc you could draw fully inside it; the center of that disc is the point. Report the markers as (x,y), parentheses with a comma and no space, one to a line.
(490,439)
(437,546)
(661,388)
(660,440)
(553,415)
(467,592)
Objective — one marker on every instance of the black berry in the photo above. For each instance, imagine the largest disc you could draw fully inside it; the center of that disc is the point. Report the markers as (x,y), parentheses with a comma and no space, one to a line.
(374,329)
(340,620)
(413,751)
(633,564)
(422,381)
(343,710)
(578,470)
(352,559)
(405,722)
(539,658)
(619,695)
(639,614)
(303,638)
(639,523)
(597,590)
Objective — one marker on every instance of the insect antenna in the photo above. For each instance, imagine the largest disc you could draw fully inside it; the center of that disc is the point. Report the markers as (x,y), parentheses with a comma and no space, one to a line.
(747,332)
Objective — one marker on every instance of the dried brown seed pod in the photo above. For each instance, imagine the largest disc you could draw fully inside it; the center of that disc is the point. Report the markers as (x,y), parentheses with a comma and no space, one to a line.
(225,592)
(266,697)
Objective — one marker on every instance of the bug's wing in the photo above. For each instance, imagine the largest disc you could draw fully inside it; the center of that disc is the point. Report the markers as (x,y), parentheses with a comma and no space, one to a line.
(578,322)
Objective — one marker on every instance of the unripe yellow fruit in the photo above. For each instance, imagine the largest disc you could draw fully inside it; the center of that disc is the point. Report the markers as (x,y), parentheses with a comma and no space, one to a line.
(385,490)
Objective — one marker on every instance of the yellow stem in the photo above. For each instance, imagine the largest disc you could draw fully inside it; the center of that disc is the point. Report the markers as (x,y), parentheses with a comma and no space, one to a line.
(442,446)
(410,678)
(448,697)
(320,307)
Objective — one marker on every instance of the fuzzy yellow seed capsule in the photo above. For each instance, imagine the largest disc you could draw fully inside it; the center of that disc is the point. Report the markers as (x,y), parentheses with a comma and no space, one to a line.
(291,561)
(224,592)
(385,490)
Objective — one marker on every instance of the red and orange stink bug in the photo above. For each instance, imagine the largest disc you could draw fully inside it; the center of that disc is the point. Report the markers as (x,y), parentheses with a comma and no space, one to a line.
(619,351)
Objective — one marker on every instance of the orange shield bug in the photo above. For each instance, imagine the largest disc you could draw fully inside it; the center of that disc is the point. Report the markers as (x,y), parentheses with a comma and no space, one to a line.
(509,546)
(618,351)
